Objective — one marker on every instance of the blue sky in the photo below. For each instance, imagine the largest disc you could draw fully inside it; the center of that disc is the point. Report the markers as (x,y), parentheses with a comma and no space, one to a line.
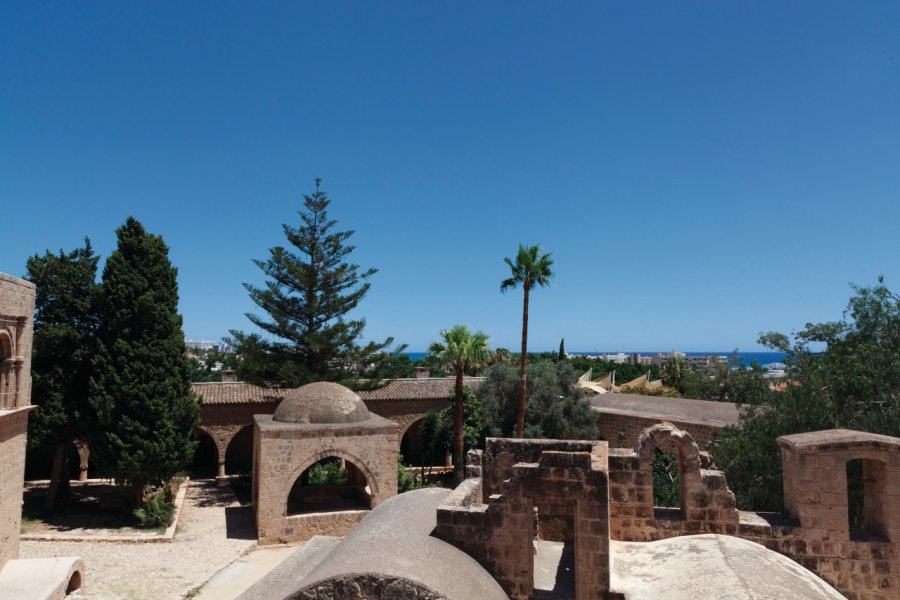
(701,172)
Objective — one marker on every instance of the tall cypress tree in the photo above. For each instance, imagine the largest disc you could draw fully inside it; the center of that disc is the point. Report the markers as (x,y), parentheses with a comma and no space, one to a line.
(310,290)
(140,385)
(64,327)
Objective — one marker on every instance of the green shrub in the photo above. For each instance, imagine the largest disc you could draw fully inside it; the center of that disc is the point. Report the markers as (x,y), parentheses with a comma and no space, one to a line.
(327,472)
(156,511)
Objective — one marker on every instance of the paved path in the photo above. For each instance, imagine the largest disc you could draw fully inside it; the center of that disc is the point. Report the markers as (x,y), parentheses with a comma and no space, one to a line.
(214,529)
(233,580)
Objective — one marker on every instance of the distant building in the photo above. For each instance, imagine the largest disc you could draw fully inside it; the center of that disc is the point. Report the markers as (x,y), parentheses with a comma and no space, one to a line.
(207,345)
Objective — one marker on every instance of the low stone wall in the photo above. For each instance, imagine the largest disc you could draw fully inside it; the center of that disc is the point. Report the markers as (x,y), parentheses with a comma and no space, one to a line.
(299,528)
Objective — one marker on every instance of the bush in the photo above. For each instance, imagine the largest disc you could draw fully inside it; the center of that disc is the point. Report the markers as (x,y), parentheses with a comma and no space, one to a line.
(156,511)
(327,472)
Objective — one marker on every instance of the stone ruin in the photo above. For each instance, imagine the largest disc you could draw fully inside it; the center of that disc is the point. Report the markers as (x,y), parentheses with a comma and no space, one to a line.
(586,494)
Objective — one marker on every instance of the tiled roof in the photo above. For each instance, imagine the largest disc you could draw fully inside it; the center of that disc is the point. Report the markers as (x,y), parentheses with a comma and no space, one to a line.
(236,393)
(423,388)
(429,388)
(673,409)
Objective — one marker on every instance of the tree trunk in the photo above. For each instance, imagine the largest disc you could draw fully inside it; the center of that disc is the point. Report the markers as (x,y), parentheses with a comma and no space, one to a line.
(520,421)
(459,467)
(137,494)
(56,475)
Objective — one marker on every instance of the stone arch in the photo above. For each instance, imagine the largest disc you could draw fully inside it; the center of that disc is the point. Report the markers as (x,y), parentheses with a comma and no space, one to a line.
(232,458)
(668,438)
(357,462)
(201,434)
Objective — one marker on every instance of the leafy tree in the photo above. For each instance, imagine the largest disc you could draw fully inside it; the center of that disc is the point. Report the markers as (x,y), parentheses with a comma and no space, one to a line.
(64,327)
(562,349)
(140,387)
(460,346)
(555,405)
(311,288)
(731,382)
(854,383)
(530,268)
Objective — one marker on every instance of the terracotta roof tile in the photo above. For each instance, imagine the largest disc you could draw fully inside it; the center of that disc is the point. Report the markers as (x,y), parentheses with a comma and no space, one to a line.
(400,389)
(236,393)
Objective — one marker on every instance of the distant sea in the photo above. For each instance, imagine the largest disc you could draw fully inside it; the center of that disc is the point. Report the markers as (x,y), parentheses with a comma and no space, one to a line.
(763,358)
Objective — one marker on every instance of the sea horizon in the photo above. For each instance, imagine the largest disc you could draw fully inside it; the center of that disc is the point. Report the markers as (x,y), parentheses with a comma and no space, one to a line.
(747,358)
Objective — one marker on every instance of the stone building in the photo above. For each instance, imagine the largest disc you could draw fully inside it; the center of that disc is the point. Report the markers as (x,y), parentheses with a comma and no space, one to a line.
(16,322)
(315,422)
(21,579)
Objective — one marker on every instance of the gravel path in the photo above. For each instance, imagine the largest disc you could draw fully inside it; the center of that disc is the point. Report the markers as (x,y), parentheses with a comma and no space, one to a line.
(214,529)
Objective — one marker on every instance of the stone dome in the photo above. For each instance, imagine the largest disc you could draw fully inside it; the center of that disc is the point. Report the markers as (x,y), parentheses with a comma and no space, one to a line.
(321,402)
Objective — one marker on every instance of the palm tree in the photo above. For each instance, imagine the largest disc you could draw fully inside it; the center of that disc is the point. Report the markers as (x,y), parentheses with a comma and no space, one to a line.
(459,347)
(531,268)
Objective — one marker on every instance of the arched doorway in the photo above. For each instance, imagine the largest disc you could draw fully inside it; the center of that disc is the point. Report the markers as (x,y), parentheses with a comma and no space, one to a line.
(330,484)
(239,454)
(205,463)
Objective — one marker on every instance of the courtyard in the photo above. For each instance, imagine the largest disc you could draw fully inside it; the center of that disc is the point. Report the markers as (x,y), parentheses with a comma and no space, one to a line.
(213,531)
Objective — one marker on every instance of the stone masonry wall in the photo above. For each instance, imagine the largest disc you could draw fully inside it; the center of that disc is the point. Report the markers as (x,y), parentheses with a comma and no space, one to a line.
(497,530)
(16,324)
(13,427)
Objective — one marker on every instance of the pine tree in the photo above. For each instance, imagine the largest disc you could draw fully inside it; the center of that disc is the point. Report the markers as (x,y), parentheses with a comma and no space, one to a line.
(310,290)
(64,327)
(140,386)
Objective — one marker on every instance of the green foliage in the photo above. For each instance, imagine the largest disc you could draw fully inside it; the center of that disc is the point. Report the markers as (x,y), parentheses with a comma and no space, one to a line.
(460,347)
(405,481)
(327,471)
(207,365)
(731,382)
(854,383)
(310,291)
(139,386)
(555,405)
(65,323)
(562,349)
(666,480)
(155,512)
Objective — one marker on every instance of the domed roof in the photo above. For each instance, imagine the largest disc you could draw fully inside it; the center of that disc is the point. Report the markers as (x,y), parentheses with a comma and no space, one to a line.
(321,402)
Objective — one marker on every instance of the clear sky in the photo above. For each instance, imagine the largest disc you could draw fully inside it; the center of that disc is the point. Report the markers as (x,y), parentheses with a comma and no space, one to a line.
(701,172)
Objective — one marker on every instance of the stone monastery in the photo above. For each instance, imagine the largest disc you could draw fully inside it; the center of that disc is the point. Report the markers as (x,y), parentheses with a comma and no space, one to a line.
(533,518)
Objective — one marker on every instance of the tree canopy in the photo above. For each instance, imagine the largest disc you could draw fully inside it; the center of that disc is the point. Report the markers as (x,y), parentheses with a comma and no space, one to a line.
(310,291)
(140,386)
(459,346)
(841,374)
(64,326)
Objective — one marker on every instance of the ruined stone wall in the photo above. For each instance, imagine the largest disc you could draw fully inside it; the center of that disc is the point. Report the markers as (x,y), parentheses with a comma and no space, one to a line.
(707,505)
(16,324)
(497,529)
(622,430)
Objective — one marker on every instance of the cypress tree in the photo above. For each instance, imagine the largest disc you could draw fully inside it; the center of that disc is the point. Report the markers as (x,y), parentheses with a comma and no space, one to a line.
(309,292)
(64,327)
(140,386)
